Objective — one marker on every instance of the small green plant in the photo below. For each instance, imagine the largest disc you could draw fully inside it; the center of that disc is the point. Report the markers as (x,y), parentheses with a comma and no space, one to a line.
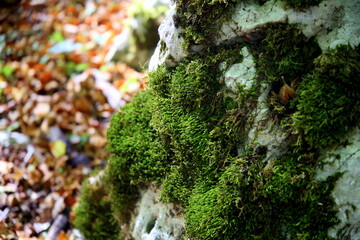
(71,67)
(56,37)
(7,70)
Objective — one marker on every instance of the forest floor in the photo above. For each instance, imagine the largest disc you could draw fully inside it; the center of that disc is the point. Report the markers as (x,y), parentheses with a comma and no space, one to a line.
(57,93)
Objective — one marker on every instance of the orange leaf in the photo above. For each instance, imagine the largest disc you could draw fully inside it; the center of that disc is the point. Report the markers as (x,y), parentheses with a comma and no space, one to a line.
(71,9)
(118,83)
(76,58)
(70,200)
(286,93)
(62,236)
(39,67)
(45,77)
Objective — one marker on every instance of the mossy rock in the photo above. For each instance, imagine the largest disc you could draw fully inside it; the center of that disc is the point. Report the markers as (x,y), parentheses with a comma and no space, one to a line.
(185,132)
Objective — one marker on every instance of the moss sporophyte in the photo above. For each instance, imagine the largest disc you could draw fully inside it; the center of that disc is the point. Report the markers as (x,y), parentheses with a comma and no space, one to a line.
(186,130)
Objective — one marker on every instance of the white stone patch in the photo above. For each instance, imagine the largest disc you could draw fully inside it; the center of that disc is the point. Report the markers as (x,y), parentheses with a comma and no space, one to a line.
(155,220)
(333,22)
(169,49)
(263,131)
(243,73)
(347,189)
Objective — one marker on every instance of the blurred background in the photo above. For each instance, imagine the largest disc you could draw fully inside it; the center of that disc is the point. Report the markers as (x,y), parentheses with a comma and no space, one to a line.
(65,67)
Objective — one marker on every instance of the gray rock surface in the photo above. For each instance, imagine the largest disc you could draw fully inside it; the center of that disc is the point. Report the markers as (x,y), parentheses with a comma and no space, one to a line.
(345,159)
(169,49)
(155,220)
(333,22)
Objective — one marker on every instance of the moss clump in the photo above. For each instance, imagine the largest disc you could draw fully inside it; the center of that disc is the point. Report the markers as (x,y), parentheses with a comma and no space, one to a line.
(248,203)
(94,217)
(201,19)
(302,4)
(329,101)
(138,154)
(283,57)
(135,145)
(284,54)
(199,125)
(173,131)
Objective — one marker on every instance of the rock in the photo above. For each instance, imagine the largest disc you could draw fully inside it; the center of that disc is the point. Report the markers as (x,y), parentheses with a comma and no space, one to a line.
(169,49)
(333,22)
(345,159)
(155,220)
(136,43)
(243,73)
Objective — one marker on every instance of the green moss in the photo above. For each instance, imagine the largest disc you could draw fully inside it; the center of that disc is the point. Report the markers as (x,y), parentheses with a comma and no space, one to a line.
(185,130)
(196,120)
(329,100)
(283,57)
(94,217)
(201,19)
(174,130)
(302,4)
(284,54)
(136,147)
(247,203)
(138,155)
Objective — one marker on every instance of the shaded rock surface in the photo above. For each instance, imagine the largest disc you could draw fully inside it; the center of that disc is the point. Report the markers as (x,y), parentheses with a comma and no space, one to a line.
(155,220)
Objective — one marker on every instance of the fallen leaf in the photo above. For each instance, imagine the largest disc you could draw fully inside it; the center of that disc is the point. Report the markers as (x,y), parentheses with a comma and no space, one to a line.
(97,141)
(70,200)
(40,227)
(5,167)
(8,70)
(41,109)
(58,148)
(286,93)
(45,77)
(62,236)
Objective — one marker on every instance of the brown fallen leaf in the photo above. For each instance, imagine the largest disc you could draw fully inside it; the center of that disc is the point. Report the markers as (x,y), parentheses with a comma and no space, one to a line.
(41,109)
(286,94)
(82,104)
(97,141)
(62,236)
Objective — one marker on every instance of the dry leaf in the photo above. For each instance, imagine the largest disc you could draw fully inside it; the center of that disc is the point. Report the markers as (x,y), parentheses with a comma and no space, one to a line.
(62,236)
(41,109)
(58,148)
(5,167)
(286,94)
